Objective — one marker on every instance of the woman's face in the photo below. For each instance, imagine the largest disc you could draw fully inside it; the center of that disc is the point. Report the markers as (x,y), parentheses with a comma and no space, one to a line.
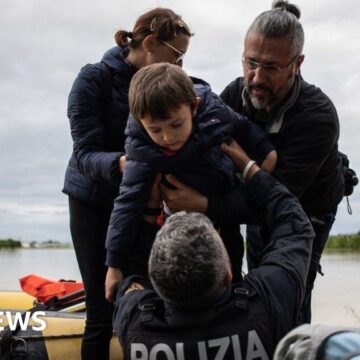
(171,51)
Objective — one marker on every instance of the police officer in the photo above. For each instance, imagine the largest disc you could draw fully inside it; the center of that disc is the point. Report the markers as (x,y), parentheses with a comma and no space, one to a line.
(192,311)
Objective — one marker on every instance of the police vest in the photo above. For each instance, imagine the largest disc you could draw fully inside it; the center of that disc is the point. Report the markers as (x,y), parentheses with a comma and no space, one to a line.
(238,329)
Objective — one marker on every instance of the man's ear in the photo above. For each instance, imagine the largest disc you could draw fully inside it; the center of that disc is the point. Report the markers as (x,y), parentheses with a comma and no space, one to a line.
(299,61)
(197,103)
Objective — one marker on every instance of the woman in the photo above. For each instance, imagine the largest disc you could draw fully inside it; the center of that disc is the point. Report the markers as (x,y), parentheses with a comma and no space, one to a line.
(97,119)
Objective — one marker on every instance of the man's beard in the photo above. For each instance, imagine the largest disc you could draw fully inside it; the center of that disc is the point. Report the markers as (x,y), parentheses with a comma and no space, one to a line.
(267,103)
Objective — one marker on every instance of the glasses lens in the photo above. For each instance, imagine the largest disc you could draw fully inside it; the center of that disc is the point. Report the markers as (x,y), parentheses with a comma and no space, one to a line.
(253,65)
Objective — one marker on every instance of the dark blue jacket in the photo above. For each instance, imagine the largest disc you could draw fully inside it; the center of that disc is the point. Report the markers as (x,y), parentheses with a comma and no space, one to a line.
(304,128)
(200,164)
(228,324)
(97,129)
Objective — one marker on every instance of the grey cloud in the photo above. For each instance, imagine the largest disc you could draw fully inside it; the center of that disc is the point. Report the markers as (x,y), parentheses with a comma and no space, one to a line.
(43,46)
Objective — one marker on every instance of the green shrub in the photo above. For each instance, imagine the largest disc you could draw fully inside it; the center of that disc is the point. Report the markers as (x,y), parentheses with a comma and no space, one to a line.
(344,242)
(10,244)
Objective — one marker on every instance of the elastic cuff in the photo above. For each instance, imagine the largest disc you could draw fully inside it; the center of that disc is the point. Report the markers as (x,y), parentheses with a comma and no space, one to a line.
(114,259)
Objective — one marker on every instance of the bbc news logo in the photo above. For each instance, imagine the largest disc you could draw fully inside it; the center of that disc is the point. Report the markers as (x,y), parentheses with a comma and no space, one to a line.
(20,320)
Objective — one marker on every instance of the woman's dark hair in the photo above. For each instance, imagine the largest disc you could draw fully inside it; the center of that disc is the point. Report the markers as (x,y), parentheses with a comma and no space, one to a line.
(161,22)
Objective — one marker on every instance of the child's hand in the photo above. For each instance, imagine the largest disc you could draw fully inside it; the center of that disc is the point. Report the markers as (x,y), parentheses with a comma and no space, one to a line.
(269,162)
(113,278)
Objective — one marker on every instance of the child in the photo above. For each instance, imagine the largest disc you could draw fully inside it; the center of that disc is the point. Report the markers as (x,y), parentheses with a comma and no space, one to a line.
(176,127)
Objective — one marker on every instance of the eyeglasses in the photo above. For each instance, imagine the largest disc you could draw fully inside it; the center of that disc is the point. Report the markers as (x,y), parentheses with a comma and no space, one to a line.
(270,69)
(180,54)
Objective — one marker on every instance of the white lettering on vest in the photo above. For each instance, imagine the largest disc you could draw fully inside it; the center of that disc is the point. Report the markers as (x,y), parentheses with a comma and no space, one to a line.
(255,348)
(180,351)
(162,348)
(236,347)
(202,350)
(138,352)
(223,344)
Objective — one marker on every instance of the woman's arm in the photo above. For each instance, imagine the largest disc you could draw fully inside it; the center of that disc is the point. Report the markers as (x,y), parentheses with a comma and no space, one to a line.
(86,112)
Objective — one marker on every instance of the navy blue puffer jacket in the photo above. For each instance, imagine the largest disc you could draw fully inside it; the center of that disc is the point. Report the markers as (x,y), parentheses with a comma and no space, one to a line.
(199,163)
(97,129)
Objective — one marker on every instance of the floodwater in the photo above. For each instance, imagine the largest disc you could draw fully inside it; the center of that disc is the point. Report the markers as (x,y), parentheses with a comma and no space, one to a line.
(336,298)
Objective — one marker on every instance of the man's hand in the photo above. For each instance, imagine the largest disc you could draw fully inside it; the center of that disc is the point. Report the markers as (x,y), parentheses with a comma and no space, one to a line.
(113,278)
(183,197)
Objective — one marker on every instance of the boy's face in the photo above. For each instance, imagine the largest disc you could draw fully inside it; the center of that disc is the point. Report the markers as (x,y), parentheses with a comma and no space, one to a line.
(172,133)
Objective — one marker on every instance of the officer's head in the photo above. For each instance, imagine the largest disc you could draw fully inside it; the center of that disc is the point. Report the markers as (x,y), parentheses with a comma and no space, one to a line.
(273,54)
(188,263)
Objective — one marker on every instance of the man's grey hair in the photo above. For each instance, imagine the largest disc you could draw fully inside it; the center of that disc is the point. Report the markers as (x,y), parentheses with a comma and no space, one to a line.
(188,263)
(282,21)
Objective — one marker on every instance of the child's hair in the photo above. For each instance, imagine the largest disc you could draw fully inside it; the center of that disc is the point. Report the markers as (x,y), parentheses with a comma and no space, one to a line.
(158,89)
(161,22)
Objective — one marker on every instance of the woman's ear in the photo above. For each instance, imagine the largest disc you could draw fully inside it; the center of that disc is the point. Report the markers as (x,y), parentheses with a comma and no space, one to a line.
(148,44)
(197,103)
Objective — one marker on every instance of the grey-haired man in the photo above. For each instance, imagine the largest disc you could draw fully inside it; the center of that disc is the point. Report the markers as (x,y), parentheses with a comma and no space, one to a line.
(300,120)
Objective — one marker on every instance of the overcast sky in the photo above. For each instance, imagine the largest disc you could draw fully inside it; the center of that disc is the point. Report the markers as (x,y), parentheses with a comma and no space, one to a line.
(45,43)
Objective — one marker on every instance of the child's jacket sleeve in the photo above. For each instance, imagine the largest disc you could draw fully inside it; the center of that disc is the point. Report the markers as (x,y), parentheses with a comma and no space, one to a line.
(251,137)
(127,215)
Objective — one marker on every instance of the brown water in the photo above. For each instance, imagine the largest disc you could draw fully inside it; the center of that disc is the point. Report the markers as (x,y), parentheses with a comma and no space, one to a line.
(336,298)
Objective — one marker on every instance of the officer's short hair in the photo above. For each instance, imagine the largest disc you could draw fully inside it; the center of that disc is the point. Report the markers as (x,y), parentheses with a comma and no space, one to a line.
(282,21)
(188,263)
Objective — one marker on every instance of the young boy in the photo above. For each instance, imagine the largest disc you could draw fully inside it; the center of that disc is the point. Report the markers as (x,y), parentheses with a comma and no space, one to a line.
(177,125)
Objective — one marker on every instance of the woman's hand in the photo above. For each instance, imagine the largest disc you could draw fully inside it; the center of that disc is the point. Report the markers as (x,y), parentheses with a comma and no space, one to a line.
(154,201)
(183,197)
(155,197)
(113,277)
(122,162)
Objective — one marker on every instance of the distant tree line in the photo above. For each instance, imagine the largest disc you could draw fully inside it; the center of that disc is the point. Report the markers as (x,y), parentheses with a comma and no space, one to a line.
(9,244)
(349,242)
